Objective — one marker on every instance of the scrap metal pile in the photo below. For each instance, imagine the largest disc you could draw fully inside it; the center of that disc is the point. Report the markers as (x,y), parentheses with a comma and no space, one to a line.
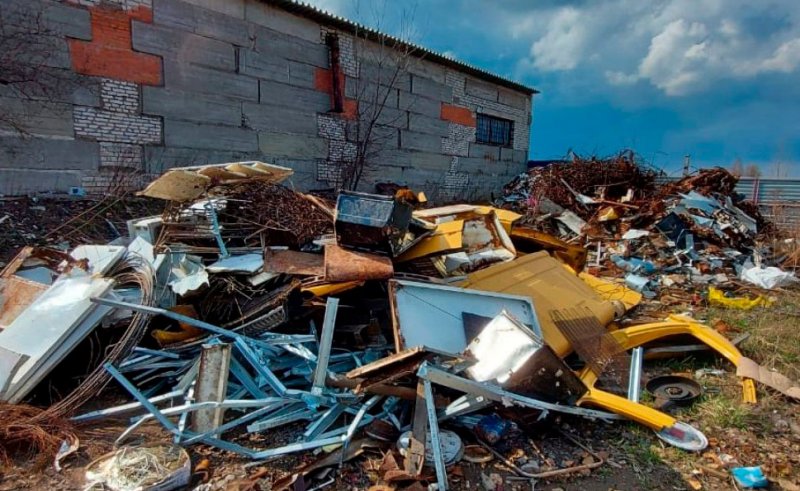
(664,240)
(364,323)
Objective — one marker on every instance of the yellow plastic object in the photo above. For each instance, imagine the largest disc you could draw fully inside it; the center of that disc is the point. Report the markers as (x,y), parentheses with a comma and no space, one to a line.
(608,214)
(645,415)
(186,331)
(611,291)
(448,237)
(549,285)
(323,289)
(717,298)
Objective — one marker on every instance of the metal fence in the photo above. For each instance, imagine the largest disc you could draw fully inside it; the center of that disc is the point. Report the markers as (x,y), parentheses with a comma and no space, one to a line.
(778,199)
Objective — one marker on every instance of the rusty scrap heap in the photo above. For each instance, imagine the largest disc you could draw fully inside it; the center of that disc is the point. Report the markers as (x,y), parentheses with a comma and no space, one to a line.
(371,322)
(664,240)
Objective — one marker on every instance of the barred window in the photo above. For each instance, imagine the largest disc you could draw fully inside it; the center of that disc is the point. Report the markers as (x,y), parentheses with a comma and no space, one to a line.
(494,131)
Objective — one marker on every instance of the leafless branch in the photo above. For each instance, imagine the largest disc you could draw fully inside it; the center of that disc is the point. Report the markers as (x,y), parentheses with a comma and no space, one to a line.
(29,68)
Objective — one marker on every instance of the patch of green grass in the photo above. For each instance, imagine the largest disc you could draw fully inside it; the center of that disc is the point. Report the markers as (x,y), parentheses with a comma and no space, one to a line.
(640,447)
(722,411)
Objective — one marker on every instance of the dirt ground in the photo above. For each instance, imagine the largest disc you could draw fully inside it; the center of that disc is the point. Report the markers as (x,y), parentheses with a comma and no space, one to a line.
(766,434)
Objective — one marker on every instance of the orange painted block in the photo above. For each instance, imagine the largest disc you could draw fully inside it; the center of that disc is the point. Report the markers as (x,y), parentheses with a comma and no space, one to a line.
(458,115)
(322,80)
(118,64)
(110,52)
(350,109)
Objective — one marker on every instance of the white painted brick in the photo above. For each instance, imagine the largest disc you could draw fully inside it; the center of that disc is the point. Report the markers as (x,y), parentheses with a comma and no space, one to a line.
(90,122)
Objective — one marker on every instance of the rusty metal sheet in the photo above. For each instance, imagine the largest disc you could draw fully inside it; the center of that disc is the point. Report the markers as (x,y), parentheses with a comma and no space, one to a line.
(389,361)
(16,294)
(390,368)
(293,262)
(346,265)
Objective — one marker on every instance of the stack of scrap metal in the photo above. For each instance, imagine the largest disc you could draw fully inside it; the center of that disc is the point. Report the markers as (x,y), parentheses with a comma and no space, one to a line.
(368,321)
(663,241)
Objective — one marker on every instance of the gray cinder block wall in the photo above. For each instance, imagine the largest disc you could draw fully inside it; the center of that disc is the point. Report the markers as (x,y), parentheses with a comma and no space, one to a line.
(145,85)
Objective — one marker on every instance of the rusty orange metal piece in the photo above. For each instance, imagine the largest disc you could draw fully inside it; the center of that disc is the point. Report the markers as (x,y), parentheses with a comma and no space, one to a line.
(347,265)
(293,262)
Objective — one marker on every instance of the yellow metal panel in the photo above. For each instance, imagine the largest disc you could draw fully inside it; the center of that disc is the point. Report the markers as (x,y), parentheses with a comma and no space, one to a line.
(507,217)
(549,285)
(611,291)
(447,237)
(323,289)
(525,238)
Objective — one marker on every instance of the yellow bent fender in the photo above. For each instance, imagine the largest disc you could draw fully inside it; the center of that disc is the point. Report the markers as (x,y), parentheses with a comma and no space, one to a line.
(645,415)
(634,336)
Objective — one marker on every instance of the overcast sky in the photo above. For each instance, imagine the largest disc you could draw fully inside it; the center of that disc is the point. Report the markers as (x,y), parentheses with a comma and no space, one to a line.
(717,79)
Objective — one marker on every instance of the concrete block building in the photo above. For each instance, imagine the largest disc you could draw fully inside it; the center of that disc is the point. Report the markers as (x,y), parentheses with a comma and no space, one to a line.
(125,89)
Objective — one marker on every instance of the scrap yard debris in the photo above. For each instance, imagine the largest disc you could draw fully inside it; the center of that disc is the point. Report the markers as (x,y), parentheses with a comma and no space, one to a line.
(372,324)
(665,241)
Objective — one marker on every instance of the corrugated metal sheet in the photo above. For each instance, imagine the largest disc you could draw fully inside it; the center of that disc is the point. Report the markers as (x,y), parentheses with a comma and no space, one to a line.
(778,199)
(324,17)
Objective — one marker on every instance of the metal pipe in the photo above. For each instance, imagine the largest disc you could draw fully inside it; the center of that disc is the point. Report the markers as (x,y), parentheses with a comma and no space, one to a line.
(635,377)
(324,352)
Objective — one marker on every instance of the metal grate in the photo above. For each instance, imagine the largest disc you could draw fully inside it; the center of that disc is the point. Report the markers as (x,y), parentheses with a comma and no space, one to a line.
(595,346)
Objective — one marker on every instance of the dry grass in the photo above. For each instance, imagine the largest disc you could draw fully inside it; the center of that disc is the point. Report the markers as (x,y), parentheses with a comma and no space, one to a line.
(774,331)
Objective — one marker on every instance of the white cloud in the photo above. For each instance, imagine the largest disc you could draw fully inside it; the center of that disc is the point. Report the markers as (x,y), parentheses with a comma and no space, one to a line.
(678,46)
(564,43)
(785,59)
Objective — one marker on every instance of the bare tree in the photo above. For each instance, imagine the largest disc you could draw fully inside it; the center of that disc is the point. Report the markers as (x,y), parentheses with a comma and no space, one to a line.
(383,64)
(752,170)
(30,75)
(737,168)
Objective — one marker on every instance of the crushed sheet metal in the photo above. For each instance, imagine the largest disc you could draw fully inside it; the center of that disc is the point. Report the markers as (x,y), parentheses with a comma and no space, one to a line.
(448,237)
(346,265)
(526,238)
(186,274)
(189,183)
(60,318)
(484,238)
(293,262)
(245,263)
